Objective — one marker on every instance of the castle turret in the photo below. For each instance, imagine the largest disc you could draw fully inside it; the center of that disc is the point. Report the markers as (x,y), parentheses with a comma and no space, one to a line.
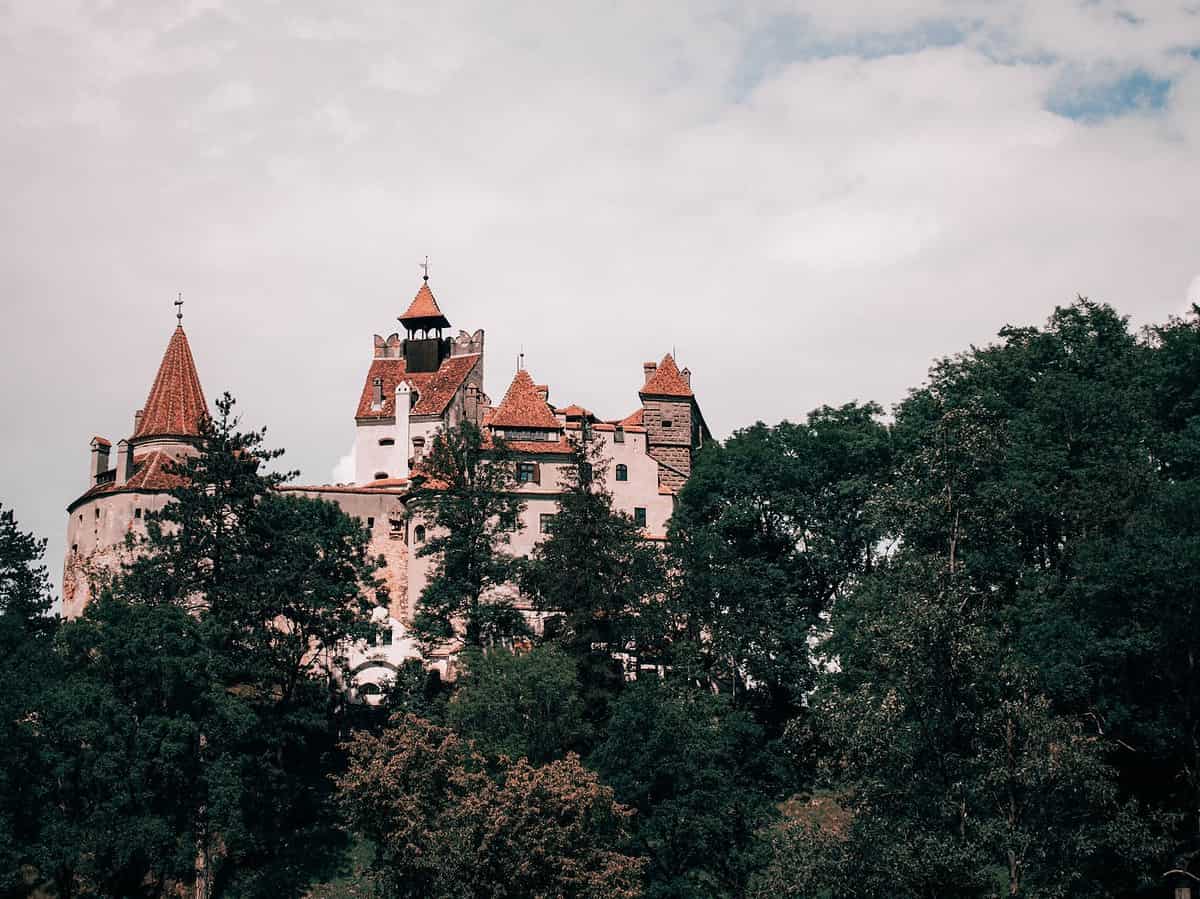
(119,498)
(674,426)
(424,348)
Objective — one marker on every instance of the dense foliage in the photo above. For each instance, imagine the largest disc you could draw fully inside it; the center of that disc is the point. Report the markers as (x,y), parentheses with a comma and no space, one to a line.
(949,653)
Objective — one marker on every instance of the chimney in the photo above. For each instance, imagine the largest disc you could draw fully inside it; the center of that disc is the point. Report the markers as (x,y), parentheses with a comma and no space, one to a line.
(687,376)
(137,421)
(543,392)
(100,450)
(124,462)
(648,369)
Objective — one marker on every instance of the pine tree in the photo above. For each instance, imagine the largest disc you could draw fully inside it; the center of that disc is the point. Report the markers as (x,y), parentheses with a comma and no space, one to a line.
(466,495)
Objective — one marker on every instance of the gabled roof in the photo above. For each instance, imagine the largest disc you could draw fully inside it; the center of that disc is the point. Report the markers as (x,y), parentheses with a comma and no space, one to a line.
(523,408)
(176,404)
(575,411)
(423,310)
(634,419)
(666,380)
(435,389)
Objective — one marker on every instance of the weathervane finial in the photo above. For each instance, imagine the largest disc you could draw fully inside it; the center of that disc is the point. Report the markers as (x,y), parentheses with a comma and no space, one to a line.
(178,304)
(425,266)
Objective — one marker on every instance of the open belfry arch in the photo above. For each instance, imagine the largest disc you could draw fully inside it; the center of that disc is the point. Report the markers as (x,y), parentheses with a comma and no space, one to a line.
(420,379)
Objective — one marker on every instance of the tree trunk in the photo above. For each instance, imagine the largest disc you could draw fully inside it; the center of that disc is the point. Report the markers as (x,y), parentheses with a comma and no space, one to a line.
(204,873)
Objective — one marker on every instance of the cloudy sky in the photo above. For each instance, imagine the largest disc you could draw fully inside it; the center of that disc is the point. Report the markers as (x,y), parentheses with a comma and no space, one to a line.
(809,201)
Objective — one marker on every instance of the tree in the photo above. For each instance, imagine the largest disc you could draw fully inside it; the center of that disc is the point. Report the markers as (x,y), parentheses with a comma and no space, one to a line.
(598,574)
(466,494)
(771,529)
(693,769)
(520,705)
(443,828)
(27,665)
(209,674)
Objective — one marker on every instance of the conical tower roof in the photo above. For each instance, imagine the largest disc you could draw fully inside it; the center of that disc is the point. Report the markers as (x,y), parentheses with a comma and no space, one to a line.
(423,311)
(666,380)
(176,403)
(522,407)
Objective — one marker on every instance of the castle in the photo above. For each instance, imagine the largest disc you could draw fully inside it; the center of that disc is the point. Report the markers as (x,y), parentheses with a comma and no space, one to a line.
(416,385)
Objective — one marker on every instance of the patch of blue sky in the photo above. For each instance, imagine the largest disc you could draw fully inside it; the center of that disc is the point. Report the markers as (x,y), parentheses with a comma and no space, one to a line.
(785,40)
(1137,91)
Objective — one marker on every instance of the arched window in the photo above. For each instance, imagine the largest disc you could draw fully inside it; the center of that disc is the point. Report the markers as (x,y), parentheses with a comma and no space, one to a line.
(419,534)
(622,472)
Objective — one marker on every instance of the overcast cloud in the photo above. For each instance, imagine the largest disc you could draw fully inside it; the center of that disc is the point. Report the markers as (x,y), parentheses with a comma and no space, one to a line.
(808,201)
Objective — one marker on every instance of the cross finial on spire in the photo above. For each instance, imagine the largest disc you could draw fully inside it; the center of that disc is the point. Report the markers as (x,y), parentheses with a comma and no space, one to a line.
(521,360)
(178,304)
(425,266)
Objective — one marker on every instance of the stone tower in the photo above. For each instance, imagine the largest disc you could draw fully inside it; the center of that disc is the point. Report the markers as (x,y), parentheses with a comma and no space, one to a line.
(674,427)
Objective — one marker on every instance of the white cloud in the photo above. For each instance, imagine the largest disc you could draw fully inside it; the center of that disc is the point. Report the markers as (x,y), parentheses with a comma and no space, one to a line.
(811,200)
(343,471)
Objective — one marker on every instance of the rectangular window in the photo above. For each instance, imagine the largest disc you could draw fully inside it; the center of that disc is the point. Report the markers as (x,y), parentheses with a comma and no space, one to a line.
(622,472)
(137,513)
(668,423)
(370,523)
(639,516)
(545,522)
(528,473)
(618,434)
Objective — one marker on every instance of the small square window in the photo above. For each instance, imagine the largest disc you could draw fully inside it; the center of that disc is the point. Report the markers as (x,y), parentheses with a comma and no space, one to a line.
(370,522)
(639,516)
(527,473)
(545,522)
(668,423)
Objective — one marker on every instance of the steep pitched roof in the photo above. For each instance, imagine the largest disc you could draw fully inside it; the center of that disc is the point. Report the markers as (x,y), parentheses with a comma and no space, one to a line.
(176,401)
(523,408)
(435,389)
(666,380)
(425,308)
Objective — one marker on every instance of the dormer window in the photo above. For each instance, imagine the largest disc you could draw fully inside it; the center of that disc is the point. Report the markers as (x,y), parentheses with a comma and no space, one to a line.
(413,397)
(377,393)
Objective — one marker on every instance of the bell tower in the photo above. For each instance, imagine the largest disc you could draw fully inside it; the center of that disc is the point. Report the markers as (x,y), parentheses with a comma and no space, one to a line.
(424,347)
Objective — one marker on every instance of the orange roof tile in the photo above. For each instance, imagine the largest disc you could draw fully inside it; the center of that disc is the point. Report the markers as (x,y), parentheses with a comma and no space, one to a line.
(176,401)
(666,380)
(522,407)
(435,389)
(633,419)
(149,476)
(424,306)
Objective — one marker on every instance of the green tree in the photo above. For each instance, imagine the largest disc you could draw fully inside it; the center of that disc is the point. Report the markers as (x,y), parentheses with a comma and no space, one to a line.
(209,675)
(770,531)
(520,705)
(27,666)
(465,494)
(692,768)
(598,575)
(443,828)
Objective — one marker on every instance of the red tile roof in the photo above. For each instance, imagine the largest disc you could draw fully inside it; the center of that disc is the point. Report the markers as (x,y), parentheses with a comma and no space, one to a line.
(101,441)
(176,401)
(149,476)
(435,389)
(522,407)
(424,306)
(346,488)
(633,419)
(666,380)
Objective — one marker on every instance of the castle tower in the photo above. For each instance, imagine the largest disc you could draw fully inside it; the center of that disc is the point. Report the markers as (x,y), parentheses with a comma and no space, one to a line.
(118,498)
(675,429)
(415,385)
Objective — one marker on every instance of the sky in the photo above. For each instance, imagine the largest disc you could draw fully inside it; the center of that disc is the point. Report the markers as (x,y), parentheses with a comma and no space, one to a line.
(808,202)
